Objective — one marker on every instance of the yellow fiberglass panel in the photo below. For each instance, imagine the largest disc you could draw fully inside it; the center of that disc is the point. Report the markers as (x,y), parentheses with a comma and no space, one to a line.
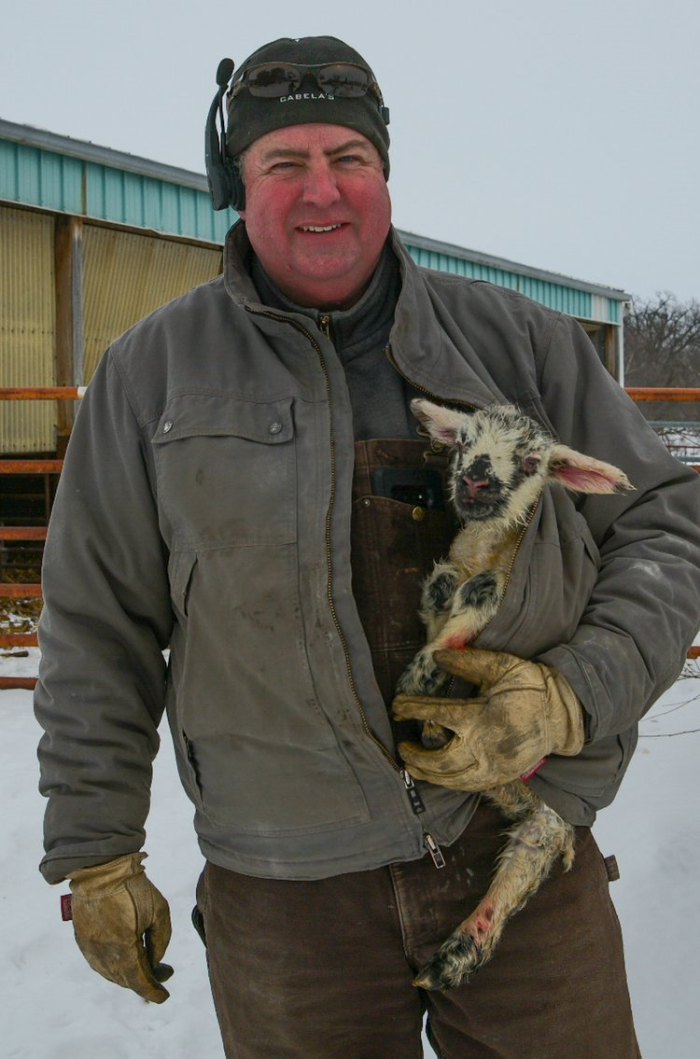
(27,328)
(127,275)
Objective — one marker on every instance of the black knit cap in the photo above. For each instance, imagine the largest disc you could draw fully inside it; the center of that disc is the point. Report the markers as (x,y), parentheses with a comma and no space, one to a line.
(250,117)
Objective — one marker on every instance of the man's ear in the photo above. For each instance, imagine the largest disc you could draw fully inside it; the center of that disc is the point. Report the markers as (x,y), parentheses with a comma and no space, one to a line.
(443,424)
(583,474)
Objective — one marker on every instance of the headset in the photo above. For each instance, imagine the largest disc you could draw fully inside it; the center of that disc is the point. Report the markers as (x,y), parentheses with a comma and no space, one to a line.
(225,185)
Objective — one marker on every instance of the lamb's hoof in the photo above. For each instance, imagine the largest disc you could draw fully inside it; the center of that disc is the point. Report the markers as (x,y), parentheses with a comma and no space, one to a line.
(452,964)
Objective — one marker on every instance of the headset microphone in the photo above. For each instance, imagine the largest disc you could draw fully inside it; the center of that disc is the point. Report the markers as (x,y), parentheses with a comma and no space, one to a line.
(225,186)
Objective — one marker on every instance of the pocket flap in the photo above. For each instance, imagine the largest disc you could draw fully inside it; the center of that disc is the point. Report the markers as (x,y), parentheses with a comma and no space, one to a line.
(203,414)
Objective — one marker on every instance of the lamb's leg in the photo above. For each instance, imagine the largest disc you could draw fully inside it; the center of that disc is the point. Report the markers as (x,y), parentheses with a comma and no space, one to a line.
(472,605)
(436,597)
(533,845)
(422,676)
(453,613)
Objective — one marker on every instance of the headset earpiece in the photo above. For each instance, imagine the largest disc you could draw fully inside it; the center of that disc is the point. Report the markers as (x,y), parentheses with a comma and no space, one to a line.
(237,189)
(225,185)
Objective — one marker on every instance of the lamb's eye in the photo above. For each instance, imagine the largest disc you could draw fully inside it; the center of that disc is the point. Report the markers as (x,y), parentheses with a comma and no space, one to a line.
(530,463)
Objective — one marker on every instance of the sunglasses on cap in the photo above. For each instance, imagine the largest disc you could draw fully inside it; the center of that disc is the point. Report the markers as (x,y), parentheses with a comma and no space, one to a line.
(274,80)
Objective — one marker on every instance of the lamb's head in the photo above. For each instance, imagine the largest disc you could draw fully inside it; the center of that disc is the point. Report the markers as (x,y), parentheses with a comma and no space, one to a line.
(502,460)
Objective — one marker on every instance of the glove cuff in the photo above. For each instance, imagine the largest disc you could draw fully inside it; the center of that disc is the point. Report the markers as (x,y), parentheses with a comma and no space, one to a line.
(105,878)
(565,715)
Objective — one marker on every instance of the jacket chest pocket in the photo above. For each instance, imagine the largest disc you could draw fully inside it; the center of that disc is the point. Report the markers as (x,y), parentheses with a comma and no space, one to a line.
(226,470)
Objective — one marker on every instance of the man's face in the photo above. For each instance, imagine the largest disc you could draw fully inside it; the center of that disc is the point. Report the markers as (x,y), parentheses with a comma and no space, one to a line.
(317,211)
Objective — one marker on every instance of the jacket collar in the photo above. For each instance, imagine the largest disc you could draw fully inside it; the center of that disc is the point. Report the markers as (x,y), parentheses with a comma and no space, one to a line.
(430,338)
(430,341)
(355,330)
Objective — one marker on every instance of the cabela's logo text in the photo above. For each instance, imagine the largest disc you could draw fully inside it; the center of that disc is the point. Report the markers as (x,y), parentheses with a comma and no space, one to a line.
(305,95)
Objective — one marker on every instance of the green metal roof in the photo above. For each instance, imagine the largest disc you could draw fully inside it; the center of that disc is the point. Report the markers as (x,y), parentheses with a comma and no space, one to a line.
(70,176)
(57,173)
(578,298)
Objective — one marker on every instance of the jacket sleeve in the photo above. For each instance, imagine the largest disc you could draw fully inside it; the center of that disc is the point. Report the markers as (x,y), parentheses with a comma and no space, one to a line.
(645,607)
(105,623)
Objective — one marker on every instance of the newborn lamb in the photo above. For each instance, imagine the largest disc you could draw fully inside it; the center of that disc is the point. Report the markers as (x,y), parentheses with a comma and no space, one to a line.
(501,462)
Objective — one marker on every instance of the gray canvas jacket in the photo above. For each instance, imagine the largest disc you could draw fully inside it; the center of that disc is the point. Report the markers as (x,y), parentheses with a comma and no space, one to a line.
(205,506)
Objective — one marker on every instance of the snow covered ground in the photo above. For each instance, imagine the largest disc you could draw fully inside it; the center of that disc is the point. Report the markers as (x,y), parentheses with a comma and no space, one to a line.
(55,1007)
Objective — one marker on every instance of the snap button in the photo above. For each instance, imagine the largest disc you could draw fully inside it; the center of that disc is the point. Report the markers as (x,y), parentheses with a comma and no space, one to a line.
(366,502)
(167,426)
(274,428)
(418,514)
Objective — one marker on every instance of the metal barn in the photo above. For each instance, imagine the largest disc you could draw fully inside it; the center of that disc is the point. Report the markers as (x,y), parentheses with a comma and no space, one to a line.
(92,239)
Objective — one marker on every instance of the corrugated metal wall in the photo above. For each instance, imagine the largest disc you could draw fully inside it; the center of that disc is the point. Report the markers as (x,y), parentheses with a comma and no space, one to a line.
(27,327)
(40,178)
(554,295)
(141,201)
(126,276)
(86,189)
(607,309)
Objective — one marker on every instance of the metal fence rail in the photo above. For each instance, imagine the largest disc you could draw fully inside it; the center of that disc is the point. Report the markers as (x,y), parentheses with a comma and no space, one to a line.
(50,466)
(42,393)
(28,533)
(664,393)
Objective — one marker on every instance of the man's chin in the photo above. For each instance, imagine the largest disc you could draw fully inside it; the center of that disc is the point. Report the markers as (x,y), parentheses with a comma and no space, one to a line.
(329,287)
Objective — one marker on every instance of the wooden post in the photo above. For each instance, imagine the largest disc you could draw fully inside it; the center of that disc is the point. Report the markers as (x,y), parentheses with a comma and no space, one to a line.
(68,262)
(612,357)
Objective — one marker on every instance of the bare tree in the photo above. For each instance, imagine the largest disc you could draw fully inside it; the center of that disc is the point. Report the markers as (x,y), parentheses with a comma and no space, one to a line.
(662,348)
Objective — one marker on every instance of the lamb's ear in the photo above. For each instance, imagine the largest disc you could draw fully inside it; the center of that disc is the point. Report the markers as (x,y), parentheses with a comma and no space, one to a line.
(441,423)
(583,474)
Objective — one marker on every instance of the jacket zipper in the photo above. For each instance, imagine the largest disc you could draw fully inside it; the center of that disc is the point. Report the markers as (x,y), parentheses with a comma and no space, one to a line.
(329,518)
(525,527)
(414,798)
(429,842)
(324,326)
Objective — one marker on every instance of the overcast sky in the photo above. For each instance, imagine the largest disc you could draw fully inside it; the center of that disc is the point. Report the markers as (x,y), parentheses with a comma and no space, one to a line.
(560,134)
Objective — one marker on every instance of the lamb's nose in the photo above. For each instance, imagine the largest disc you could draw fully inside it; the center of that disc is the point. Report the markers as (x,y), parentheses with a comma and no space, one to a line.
(479,468)
(474,485)
(476,476)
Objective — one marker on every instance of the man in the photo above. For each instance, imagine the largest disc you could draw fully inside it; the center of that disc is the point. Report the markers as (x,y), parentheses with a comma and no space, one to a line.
(241,486)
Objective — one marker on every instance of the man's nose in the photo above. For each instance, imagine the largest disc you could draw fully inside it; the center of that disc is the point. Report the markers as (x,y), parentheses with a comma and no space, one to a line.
(320,186)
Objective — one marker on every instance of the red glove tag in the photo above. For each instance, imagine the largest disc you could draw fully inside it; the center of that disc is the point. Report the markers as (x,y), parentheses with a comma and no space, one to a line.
(531,772)
(66,907)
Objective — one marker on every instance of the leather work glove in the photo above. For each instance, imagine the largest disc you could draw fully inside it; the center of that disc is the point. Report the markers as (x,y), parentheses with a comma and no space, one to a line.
(525,711)
(122,925)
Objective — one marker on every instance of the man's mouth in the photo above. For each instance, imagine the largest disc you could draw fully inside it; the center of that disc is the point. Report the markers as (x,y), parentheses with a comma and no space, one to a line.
(319,227)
